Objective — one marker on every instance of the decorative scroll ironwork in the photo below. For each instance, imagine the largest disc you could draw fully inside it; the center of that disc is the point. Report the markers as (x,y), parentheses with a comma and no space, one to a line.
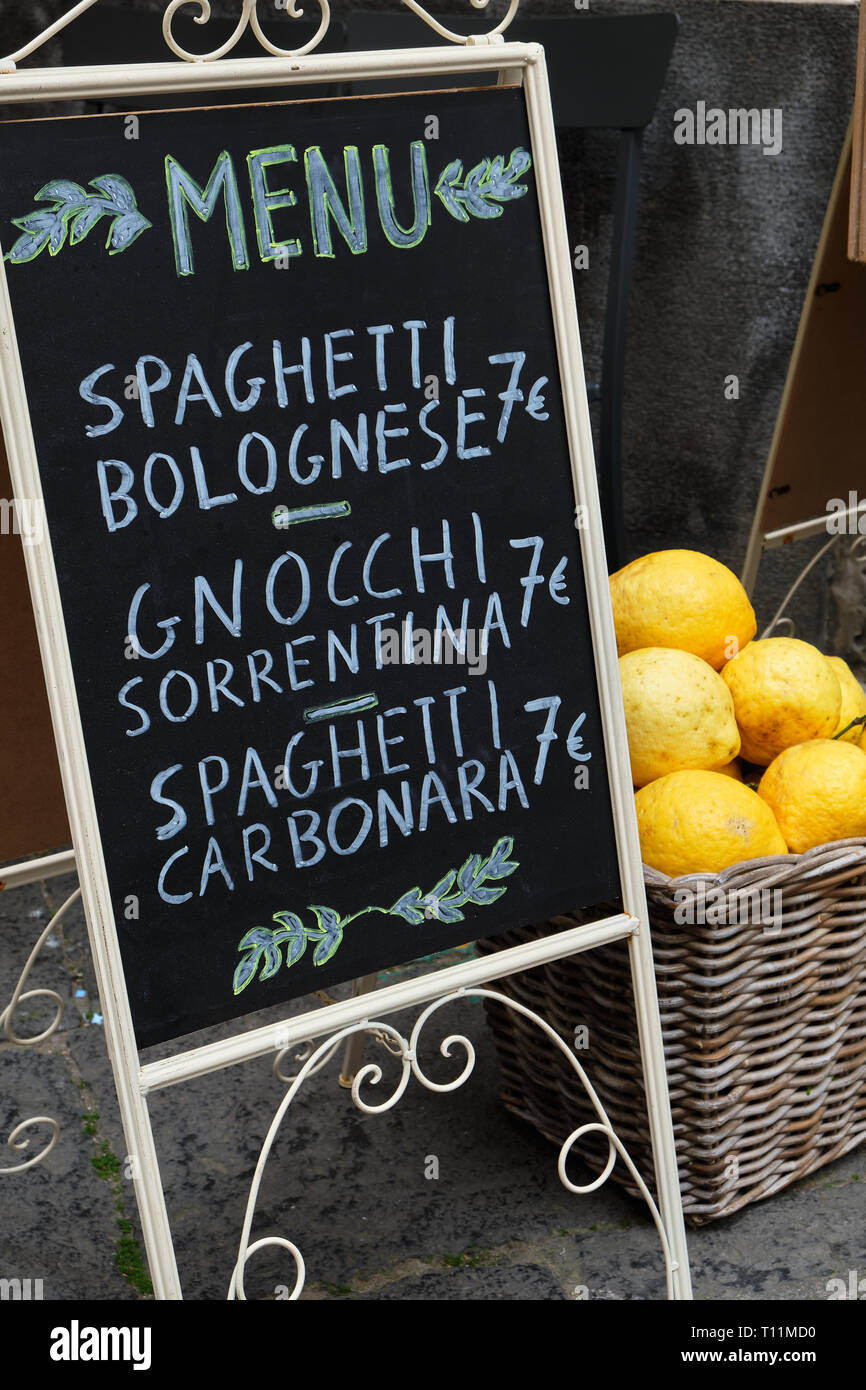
(249,19)
(299,1056)
(7,64)
(450,34)
(406,1050)
(19,995)
(16,1144)
(848,589)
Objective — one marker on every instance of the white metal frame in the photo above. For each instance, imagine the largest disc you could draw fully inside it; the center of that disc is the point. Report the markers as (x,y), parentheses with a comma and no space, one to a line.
(515,63)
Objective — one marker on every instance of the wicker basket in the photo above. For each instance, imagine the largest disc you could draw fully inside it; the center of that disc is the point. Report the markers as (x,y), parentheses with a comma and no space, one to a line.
(764,1028)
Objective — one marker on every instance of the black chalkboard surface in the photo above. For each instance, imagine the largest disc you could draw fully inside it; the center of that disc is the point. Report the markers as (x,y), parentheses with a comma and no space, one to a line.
(295,395)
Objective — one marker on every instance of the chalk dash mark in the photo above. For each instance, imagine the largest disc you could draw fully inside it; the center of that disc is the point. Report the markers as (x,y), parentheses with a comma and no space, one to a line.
(316,714)
(283,517)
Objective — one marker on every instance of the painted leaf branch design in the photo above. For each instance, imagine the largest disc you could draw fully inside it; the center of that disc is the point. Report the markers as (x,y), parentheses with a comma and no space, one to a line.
(485,187)
(75,212)
(458,888)
(263,947)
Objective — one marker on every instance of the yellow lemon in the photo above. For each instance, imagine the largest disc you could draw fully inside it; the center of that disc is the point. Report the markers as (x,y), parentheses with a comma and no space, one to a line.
(678,713)
(785,692)
(853,701)
(702,822)
(732,770)
(681,599)
(817,792)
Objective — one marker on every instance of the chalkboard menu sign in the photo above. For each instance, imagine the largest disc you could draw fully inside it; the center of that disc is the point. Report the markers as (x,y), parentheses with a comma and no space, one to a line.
(295,395)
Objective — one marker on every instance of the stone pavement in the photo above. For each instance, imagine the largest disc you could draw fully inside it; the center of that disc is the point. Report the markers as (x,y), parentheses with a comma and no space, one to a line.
(359,1194)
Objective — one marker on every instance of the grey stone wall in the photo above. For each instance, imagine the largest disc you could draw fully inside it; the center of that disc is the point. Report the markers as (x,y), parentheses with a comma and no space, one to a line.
(726,238)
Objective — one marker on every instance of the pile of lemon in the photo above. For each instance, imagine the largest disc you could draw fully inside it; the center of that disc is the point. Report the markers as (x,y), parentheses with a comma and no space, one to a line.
(739,748)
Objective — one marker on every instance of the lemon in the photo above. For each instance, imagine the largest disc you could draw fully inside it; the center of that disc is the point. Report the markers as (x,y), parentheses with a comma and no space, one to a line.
(853,700)
(678,713)
(702,822)
(732,769)
(817,792)
(681,599)
(785,692)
